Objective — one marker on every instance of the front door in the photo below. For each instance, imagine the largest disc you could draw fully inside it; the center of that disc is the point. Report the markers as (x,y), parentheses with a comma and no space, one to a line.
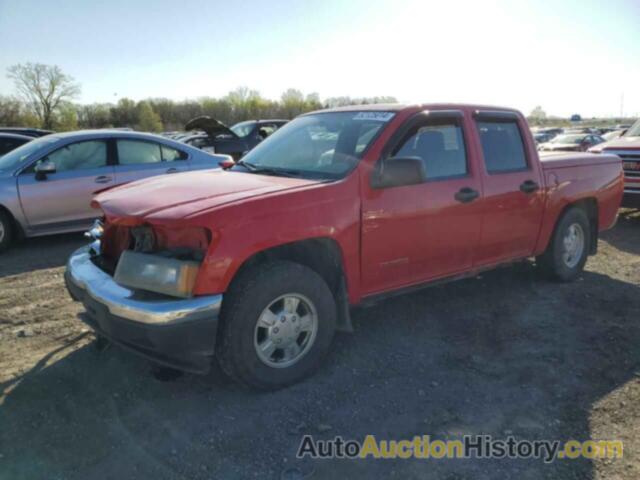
(62,200)
(416,233)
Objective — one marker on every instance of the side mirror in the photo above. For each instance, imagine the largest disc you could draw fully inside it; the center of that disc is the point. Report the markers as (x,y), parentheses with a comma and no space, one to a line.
(226,164)
(399,171)
(44,168)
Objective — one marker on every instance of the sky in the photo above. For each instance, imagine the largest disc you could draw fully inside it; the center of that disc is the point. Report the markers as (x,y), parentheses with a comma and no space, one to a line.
(565,56)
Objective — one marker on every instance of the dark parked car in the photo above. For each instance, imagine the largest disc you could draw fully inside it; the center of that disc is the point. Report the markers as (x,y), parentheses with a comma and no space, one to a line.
(234,141)
(10,141)
(542,137)
(29,132)
(579,142)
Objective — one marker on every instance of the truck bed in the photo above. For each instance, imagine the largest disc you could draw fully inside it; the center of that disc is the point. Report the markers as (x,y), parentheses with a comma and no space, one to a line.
(574,159)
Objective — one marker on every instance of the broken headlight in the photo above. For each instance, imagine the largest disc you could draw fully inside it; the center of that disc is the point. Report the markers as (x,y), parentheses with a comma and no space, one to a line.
(156,273)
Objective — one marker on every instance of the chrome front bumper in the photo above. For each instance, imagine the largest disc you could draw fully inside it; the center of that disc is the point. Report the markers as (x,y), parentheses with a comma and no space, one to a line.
(134,305)
(176,332)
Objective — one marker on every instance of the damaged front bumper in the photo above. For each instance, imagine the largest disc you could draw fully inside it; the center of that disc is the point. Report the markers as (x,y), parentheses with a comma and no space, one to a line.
(179,333)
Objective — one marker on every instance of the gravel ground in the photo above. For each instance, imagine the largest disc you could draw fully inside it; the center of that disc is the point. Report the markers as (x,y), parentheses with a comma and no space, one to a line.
(507,353)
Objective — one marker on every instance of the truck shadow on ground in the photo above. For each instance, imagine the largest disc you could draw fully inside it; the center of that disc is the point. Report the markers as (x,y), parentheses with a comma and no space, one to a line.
(625,236)
(503,354)
(40,252)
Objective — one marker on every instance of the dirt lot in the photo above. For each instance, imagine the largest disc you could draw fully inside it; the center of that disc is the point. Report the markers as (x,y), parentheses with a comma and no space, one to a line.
(504,354)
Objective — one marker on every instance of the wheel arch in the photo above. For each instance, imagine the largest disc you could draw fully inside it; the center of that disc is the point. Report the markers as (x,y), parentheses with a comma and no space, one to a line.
(18,231)
(323,255)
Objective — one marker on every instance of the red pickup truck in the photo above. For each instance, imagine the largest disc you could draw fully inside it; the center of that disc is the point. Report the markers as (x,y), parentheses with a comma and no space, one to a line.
(627,147)
(260,262)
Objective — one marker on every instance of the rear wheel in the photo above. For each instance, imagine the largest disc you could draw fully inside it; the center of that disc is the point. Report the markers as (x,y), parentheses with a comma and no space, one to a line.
(277,323)
(568,249)
(6,231)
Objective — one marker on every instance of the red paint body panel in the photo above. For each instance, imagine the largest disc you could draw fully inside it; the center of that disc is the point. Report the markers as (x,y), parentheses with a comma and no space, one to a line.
(388,238)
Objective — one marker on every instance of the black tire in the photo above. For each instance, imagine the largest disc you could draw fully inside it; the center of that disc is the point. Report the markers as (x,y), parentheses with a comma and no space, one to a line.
(243,305)
(6,231)
(552,261)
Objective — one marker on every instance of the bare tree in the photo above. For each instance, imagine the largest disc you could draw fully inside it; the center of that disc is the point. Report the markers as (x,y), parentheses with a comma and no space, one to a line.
(44,87)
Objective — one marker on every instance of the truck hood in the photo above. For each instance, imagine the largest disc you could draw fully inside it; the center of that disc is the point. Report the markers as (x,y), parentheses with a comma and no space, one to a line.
(622,143)
(186,195)
(209,125)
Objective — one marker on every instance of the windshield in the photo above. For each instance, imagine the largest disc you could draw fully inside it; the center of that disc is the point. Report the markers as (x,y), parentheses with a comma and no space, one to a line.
(15,158)
(572,139)
(243,129)
(321,145)
(634,131)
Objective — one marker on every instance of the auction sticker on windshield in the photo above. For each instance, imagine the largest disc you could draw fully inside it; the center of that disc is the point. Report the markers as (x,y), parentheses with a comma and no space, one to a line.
(376,116)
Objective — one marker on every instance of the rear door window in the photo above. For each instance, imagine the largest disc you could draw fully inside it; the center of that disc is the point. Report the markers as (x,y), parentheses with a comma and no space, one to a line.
(131,152)
(171,154)
(502,146)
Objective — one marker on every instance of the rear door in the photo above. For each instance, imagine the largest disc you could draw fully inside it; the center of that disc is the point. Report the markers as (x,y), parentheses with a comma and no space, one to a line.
(137,159)
(61,200)
(513,198)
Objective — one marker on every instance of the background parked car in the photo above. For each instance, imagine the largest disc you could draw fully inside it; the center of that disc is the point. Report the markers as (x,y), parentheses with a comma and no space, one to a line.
(46,185)
(613,134)
(215,137)
(577,142)
(11,141)
(577,130)
(627,147)
(542,137)
(551,131)
(29,132)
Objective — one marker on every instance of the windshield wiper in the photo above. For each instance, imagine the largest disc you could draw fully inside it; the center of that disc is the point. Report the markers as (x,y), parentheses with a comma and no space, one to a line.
(268,171)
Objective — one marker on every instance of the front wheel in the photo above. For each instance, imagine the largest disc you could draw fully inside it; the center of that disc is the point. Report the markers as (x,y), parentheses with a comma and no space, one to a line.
(6,231)
(568,249)
(277,323)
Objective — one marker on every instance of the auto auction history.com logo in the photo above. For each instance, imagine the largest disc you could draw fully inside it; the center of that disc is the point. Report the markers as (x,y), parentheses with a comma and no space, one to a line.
(470,446)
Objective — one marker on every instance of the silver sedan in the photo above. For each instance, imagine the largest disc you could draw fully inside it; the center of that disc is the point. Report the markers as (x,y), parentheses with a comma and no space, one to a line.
(46,185)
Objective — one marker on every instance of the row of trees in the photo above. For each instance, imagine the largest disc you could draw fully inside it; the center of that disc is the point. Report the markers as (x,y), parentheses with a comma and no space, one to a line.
(45,99)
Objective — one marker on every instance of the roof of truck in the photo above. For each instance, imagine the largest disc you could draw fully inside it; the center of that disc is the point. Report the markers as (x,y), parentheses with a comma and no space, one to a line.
(396,107)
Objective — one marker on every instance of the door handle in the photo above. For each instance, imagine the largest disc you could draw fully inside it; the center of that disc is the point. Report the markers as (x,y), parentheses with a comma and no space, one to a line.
(172,170)
(466,195)
(103,179)
(529,186)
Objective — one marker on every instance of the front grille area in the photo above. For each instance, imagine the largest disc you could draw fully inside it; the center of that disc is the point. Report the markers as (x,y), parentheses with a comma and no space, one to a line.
(630,161)
(631,167)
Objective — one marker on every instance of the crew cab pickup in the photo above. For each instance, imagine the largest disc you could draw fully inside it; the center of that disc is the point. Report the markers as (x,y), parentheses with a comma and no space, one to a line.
(627,147)
(258,264)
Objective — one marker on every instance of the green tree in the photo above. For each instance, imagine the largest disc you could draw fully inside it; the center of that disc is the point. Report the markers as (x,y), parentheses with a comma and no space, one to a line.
(537,115)
(67,118)
(11,111)
(45,88)
(293,103)
(94,116)
(125,113)
(148,119)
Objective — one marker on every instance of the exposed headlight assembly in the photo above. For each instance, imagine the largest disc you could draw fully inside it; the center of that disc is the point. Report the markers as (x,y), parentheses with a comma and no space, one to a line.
(156,273)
